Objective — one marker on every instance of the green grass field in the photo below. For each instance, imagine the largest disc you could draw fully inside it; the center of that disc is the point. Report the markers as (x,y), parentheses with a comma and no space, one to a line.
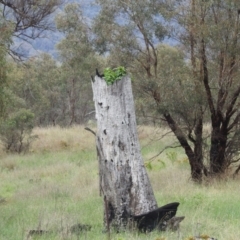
(56,186)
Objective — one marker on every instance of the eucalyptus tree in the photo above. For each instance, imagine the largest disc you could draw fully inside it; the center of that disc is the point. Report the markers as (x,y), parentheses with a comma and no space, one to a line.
(3,81)
(210,35)
(78,62)
(131,30)
(36,85)
(5,41)
(42,89)
(29,19)
(23,20)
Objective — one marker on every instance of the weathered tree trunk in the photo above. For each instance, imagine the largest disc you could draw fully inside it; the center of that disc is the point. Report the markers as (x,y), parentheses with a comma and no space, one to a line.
(195,159)
(124,182)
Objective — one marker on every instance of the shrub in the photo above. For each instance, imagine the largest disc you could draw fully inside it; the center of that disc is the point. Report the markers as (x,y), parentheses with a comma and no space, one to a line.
(112,75)
(16,131)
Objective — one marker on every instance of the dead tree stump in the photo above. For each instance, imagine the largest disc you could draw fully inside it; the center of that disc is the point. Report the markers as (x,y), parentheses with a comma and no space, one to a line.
(124,183)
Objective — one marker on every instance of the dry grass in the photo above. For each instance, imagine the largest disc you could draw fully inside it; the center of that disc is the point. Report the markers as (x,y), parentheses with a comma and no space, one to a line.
(56,186)
(57,139)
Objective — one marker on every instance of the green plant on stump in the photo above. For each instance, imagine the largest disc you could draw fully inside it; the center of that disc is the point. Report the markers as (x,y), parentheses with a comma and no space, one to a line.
(112,75)
(16,131)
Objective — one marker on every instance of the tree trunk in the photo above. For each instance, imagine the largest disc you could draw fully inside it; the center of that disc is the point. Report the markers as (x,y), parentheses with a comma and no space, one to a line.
(218,162)
(194,160)
(124,182)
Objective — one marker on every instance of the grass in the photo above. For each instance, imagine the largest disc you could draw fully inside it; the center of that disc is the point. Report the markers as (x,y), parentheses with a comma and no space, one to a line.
(56,186)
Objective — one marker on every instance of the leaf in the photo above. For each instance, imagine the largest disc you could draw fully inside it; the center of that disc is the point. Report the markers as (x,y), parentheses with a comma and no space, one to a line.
(148,165)
(112,75)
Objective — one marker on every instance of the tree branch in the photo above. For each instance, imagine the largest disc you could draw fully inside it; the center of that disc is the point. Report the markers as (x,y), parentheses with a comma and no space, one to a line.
(167,147)
(90,130)
(206,80)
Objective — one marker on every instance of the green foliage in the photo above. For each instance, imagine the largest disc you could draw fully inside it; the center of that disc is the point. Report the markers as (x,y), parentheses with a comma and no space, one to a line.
(78,56)
(8,190)
(172,156)
(162,163)
(15,131)
(151,165)
(112,75)
(5,41)
(148,165)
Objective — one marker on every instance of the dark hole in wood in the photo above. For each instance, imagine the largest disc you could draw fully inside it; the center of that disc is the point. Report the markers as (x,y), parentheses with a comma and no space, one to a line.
(111,213)
(121,145)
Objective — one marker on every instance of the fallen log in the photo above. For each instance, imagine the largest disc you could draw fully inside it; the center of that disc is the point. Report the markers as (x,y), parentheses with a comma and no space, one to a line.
(159,218)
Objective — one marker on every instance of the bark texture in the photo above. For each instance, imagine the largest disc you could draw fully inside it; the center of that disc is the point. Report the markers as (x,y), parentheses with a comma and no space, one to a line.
(124,182)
